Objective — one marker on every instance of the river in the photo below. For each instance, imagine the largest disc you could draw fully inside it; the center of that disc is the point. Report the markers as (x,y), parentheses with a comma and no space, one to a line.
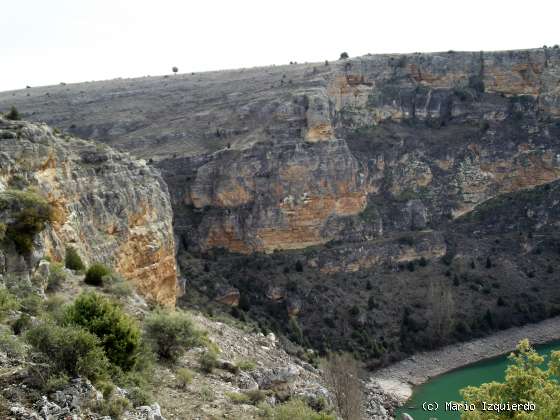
(446,387)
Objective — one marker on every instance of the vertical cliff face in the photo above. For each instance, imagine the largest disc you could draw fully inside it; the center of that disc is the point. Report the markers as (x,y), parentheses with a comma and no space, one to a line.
(397,167)
(110,207)
(291,156)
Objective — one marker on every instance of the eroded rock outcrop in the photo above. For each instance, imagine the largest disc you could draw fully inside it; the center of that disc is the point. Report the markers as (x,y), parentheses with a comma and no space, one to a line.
(291,156)
(110,207)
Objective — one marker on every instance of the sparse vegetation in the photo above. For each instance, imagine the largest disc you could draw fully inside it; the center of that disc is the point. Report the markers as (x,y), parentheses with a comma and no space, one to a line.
(293,409)
(342,379)
(171,333)
(8,302)
(184,377)
(72,260)
(57,276)
(246,365)
(13,114)
(119,334)
(208,361)
(69,349)
(31,213)
(95,273)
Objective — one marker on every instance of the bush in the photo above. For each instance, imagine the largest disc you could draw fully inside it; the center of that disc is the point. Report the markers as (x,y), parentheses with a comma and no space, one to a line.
(206,394)
(208,361)
(294,409)
(32,304)
(246,365)
(184,376)
(70,349)
(343,56)
(21,324)
(56,382)
(10,345)
(8,302)
(72,260)
(31,214)
(526,379)
(54,306)
(118,333)
(117,286)
(13,114)
(57,276)
(255,396)
(114,406)
(238,397)
(95,274)
(170,333)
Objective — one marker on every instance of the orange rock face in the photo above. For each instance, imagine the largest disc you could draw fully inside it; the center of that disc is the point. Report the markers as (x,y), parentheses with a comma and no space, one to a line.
(110,208)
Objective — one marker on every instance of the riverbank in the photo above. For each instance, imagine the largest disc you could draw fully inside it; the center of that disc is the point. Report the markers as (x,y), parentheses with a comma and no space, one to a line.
(398,380)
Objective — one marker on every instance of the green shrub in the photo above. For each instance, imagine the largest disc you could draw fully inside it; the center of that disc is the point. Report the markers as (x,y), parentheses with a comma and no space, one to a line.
(12,346)
(8,302)
(238,397)
(255,396)
(57,276)
(115,285)
(140,396)
(119,334)
(56,382)
(31,214)
(106,387)
(69,349)
(13,114)
(21,324)
(55,307)
(184,377)
(113,407)
(293,409)
(170,333)
(206,394)
(72,260)
(246,365)
(208,361)
(3,228)
(95,274)
(32,304)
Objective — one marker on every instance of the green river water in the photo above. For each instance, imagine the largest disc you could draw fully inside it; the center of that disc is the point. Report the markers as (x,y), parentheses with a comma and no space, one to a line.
(446,387)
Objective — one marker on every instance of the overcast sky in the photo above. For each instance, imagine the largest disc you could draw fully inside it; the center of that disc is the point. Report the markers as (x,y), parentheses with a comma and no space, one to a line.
(45,42)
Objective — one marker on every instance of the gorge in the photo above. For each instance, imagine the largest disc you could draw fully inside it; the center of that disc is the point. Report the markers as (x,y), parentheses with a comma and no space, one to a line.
(382,205)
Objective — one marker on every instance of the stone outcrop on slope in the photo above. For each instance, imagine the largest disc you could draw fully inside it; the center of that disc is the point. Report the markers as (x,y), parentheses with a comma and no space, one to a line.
(110,207)
(291,156)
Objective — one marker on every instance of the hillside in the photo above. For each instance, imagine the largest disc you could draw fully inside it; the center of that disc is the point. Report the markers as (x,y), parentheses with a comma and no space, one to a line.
(341,203)
(88,285)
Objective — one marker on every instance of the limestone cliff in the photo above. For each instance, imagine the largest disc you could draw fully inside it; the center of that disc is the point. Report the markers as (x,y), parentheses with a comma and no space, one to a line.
(110,207)
(387,181)
(290,156)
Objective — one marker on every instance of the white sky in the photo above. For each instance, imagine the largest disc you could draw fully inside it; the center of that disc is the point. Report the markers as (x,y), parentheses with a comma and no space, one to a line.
(45,42)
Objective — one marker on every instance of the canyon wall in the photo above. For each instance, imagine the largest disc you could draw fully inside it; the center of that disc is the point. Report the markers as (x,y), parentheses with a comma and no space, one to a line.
(286,157)
(109,207)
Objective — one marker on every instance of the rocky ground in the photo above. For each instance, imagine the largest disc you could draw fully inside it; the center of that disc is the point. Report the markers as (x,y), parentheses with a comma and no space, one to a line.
(247,362)
(268,367)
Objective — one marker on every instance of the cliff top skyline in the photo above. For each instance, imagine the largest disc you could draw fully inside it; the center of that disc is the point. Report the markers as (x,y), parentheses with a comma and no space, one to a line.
(65,42)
